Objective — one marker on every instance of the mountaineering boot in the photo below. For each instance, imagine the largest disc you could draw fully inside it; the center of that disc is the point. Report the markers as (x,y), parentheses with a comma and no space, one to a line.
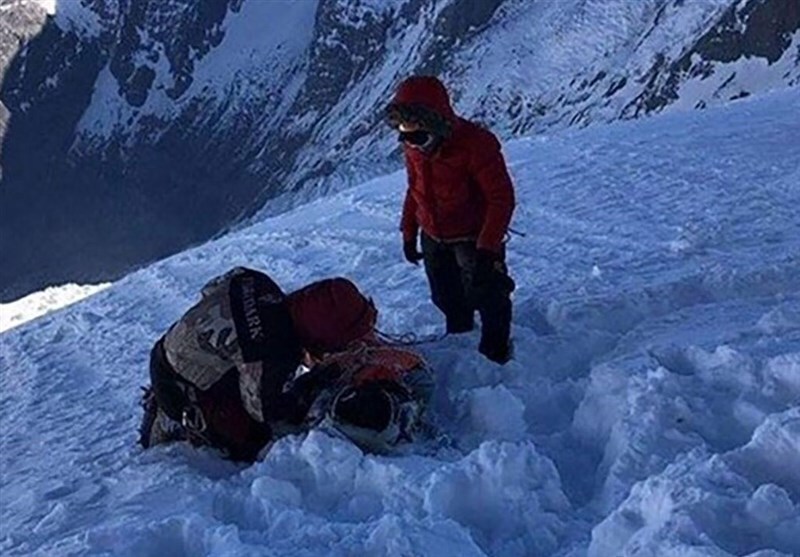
(157,428)
(500,352)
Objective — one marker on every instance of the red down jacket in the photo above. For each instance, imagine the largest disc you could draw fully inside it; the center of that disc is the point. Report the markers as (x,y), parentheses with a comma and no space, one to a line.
(462,190)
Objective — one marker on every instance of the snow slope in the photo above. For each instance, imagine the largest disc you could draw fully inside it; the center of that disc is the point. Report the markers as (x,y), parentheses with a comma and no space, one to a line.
(40,303)
(653,407)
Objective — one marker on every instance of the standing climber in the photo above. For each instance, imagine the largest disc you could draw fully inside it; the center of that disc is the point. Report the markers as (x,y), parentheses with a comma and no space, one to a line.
(461,197)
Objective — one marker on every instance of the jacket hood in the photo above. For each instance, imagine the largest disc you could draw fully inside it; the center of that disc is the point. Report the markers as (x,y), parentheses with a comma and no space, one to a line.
(426,91)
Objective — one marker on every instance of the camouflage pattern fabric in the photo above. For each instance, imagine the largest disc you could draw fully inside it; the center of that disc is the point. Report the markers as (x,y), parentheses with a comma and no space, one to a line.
(240,322)
(202,346)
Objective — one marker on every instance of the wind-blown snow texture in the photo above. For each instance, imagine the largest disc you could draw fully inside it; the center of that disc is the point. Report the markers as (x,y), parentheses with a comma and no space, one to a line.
(653,407)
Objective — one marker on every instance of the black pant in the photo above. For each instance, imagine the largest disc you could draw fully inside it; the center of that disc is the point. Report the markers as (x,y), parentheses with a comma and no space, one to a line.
(451,269)
(228,426)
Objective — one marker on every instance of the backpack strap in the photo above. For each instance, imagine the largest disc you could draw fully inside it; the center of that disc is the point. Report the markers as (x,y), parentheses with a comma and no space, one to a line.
(269,352)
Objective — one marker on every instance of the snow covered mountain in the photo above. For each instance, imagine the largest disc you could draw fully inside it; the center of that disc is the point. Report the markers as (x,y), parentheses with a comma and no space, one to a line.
(652,409)
(135,128)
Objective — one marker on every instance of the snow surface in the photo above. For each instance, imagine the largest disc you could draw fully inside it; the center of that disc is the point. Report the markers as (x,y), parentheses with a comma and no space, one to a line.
(653,407)
(74,16)
(48,5)
(35,305)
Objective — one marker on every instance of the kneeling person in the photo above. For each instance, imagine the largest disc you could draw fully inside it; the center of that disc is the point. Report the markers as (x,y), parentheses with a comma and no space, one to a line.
(226,374)
(217,375)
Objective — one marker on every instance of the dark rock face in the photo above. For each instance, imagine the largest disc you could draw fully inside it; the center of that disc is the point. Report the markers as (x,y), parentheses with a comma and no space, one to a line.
(17,26)
(457,21)
(759,29)
(77,215)
(763,29)
(121,144)
(181,31)
(346,44)
(37,137)
(350,46)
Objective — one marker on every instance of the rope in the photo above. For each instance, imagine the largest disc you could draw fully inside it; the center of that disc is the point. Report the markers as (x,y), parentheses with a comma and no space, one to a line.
(408,339)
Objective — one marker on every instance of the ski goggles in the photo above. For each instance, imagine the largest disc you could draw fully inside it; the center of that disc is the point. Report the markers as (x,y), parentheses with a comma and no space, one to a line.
(417,115)
(417,138)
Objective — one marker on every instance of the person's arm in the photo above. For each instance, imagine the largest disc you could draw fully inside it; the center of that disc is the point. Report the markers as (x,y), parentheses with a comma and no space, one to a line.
(489,170)
(409,225)
(305,389)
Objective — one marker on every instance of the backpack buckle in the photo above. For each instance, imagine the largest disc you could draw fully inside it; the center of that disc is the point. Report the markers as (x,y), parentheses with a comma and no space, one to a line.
(193,420)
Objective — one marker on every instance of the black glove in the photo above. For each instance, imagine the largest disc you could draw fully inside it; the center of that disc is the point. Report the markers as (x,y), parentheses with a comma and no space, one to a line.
(490,268)
(411,253)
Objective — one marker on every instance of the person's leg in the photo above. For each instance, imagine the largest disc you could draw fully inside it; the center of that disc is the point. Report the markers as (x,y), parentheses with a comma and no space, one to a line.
(492,298)
(168,388)
(162,403)
(447,287)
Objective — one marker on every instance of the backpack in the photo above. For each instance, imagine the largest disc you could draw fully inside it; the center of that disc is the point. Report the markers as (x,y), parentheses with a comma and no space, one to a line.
(330,315)
(374,394)
(242,324)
